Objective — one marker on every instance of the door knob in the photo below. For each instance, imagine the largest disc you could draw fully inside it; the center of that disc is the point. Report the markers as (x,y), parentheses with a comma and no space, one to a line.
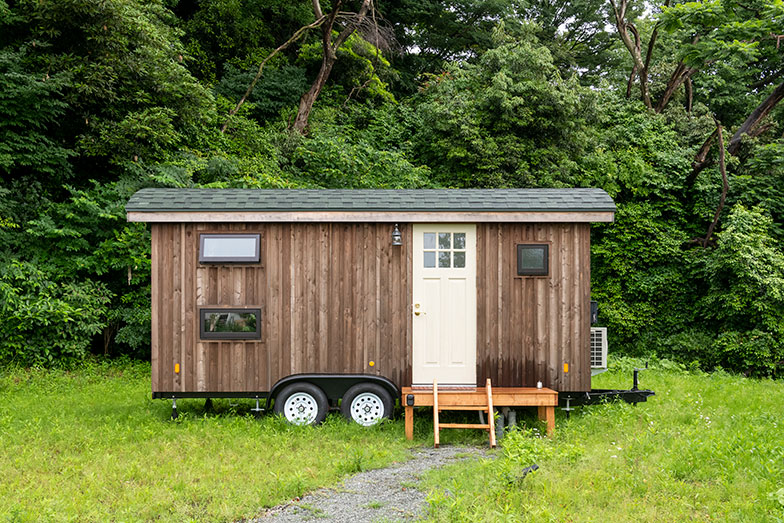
(417,312)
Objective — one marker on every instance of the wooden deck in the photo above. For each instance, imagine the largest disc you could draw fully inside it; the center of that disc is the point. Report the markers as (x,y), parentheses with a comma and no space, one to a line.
(545,399)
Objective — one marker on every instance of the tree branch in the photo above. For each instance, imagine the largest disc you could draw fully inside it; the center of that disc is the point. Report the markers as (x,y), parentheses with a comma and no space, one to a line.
(701,160)
(755,117)
(352,25)
(724,189)
(678,77)
(652,42)
(296,36)
(317,9)
(632,46)
(630,83)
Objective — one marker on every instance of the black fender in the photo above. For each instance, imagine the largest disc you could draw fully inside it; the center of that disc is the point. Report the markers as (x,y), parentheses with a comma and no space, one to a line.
(334,385)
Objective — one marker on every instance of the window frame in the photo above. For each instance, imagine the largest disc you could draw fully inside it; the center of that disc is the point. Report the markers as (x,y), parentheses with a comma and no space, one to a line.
(256,258)
(521,271)
(206,335)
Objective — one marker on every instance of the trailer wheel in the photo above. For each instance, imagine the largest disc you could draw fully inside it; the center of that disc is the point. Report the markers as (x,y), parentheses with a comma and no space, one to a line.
(302,404)
(366,404)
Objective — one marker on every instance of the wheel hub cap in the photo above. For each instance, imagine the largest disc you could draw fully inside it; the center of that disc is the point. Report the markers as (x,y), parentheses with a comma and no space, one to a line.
(300,408)
(367,409)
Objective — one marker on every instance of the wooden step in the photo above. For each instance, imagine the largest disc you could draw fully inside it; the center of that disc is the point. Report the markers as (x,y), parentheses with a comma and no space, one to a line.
(464,426)
(463,407)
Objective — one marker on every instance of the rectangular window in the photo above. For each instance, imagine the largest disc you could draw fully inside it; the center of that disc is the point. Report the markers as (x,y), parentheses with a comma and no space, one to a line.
(230,324)
(533,259)
(229,248)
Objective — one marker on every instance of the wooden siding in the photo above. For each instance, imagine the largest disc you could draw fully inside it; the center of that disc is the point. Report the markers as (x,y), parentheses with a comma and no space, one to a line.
(529,326)
(336,296)
(333,298)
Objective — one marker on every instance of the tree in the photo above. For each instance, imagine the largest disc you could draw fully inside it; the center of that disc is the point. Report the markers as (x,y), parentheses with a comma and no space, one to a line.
(508,120)
(352,22)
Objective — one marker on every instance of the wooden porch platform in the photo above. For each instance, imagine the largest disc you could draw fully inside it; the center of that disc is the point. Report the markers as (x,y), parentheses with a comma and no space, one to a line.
(545,399)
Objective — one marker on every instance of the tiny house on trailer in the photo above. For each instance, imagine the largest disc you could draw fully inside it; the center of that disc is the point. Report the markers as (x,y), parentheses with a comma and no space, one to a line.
(302,298)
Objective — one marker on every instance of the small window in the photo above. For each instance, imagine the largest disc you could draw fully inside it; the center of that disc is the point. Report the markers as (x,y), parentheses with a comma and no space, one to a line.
(230,324)
(533,260)
(444,250)
(229,248)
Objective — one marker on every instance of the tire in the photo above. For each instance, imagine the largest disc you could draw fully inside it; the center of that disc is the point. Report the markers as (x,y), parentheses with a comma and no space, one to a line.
(366,404)
(302,404)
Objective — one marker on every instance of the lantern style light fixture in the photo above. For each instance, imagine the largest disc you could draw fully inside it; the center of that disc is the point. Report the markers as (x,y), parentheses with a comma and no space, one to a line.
(397,238)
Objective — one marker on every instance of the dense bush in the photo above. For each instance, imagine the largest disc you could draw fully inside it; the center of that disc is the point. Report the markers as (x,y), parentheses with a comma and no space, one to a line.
(45,319)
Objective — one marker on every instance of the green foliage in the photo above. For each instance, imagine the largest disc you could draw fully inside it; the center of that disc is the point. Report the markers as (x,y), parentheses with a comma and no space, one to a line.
(100,99)
(643,281)
(508,120)
(221,35)
(736,41)
(359,73)
(277,89)
(746,294)
(443,31)
(124,63)
(337,162)
(47,319)
(30,102)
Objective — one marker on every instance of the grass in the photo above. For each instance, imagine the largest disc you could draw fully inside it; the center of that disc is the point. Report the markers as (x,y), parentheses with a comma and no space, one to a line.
(705,448)
(91,445)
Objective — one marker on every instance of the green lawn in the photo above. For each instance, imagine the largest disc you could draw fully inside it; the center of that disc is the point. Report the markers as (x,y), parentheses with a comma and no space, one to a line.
(91,445)
(705,448)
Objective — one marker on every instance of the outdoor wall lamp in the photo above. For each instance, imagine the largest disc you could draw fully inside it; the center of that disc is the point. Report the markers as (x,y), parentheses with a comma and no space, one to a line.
(397,238)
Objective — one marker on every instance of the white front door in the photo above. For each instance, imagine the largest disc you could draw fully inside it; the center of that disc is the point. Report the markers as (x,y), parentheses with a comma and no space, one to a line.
(444,304)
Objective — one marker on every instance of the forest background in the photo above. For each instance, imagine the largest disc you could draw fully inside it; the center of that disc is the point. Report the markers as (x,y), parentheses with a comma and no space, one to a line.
(672,109)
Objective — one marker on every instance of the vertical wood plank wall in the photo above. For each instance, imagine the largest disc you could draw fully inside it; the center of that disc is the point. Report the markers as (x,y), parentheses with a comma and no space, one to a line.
(335,296)
(529,326)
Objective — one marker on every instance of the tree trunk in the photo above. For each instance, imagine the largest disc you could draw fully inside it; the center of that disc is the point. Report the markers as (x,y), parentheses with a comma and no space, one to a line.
(307,100)
(755,117)
(329,58)
(302,30)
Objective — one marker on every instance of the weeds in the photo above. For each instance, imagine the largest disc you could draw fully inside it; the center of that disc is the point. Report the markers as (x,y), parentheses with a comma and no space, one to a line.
(90,445)
(706,447)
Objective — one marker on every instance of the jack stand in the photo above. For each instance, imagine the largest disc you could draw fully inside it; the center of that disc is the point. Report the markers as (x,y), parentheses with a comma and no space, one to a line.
(257,410)
(568,409)
(174,408)
(499,423)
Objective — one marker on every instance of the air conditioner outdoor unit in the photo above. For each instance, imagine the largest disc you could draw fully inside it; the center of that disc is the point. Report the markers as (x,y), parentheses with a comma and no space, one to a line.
(598,349)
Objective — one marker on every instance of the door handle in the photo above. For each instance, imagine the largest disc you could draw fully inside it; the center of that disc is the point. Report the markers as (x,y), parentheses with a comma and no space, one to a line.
(417,312)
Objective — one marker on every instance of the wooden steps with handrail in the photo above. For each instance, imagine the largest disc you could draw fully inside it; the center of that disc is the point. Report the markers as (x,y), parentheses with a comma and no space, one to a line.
(468,403)
(483,399)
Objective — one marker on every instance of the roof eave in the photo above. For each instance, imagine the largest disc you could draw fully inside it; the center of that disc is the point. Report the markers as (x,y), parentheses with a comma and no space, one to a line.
(407,216)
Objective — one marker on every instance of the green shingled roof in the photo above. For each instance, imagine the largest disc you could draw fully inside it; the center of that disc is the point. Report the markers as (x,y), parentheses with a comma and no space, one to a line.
(369,200)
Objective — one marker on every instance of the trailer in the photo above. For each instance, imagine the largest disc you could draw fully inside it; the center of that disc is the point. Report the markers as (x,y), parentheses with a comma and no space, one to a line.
(307,300)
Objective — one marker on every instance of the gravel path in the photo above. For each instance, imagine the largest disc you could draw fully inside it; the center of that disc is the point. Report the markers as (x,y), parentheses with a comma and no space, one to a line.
(387,494)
